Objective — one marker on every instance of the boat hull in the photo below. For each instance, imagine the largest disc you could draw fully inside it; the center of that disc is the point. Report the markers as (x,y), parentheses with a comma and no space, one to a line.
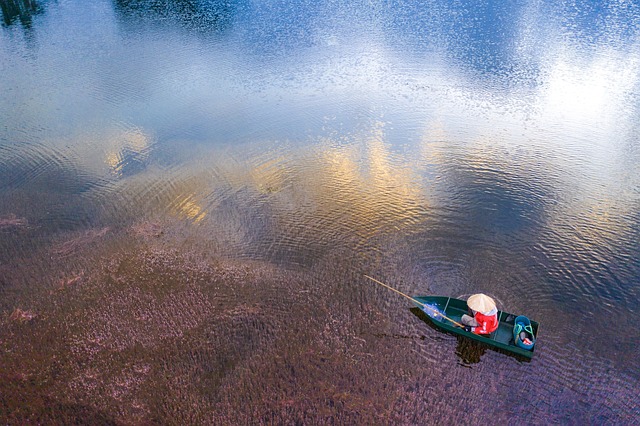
(502,338)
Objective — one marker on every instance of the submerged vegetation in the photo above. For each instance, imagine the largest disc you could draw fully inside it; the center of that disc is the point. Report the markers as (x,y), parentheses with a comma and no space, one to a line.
(131,329)
(11,221)
(142,326)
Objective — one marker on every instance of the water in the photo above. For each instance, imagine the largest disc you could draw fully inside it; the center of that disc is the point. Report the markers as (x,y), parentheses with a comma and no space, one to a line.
(191,192)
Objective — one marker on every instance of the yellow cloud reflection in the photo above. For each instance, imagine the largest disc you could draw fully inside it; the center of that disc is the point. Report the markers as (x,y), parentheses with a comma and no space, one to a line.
(124,145)
(367,186)
(269,176)
(113,160)
(187,207)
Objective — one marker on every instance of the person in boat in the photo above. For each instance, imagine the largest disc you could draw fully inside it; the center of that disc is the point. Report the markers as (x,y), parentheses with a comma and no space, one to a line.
(483,314)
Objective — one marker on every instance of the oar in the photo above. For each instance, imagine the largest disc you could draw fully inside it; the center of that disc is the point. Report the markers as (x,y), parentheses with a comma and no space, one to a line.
(416,301)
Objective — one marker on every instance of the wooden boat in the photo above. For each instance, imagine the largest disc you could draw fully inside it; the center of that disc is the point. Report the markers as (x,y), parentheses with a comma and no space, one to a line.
(502,338)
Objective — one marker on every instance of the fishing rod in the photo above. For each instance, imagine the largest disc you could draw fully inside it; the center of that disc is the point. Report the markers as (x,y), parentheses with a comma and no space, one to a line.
(435,311)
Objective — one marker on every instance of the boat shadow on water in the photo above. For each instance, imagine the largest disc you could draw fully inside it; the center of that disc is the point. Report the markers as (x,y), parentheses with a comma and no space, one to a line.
(469,351)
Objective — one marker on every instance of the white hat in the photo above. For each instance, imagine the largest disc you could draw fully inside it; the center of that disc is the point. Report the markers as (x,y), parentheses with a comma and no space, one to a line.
(481,303)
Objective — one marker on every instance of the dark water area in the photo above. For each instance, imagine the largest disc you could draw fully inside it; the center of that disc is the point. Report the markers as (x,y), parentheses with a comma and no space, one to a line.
(192,191)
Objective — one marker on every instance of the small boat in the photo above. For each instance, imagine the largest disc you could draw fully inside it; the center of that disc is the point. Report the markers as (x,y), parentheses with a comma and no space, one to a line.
(502,338)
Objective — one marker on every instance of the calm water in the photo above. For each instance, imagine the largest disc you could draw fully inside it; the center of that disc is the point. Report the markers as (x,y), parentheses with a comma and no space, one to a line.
(442,147)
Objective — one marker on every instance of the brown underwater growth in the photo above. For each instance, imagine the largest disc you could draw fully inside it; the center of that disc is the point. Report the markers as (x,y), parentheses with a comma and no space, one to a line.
(75,279)
(12,221)
(22,316)
(71,246)
(153,333)
(147,229)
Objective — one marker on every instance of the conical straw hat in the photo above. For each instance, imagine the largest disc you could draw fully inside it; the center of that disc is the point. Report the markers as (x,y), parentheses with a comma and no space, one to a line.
(481,303)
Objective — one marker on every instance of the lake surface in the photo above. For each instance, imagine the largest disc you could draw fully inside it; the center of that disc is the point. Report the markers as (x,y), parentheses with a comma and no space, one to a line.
(192,191)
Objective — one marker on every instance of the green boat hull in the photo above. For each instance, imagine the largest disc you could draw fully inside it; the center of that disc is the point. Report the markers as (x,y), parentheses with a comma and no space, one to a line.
(502,338)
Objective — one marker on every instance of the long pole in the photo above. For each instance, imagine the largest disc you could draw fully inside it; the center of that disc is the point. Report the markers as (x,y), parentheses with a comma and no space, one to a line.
(416,301)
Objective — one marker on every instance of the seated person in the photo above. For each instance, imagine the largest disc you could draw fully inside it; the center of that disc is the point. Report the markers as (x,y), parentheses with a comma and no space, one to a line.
(483,318)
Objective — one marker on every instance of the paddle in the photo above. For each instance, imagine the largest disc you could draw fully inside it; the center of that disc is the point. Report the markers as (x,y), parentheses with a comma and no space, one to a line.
(435,311)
